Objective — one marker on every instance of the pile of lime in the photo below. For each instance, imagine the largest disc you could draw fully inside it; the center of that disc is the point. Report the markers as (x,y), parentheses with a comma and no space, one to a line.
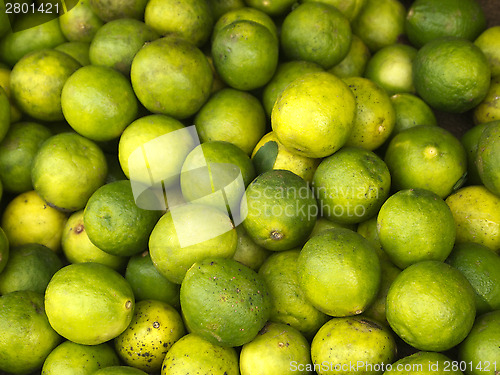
(249,187)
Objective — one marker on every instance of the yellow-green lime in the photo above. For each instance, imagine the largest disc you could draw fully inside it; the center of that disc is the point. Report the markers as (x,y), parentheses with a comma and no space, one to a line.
(70,358)
(314,115)
(221,7)
(424,363)
(289,303)
(119,370)
(411,111)
(470,142)
(29,219)
(248,252)
(323,224)
(67,169)
(488,157)
(488,41)
(4,250)
(273,8)
(111,10)
(80,23)
(30,267)
(368,229)
(275,350)
(392,68)
(316,32)
(350,8)
(113,221)
(351,185)
(5,72)
(23,320)
(89,303)
(480,348)
(77,50)
(427,20)
(108,93)
(155,327)
(232,116)
(451,74)
(187,234)
(245,54)
(149,284)
(78,248)
(431,306)
(4,113)
(285,74)
(375,115)
(171,76)
(380,23)
(17,152)
(489,109)
(37,80)
(481,267)
(343,342)
(354,63)
(476,211)
(192,20)
(415,225)
(426,157)
(339,272)
(224,301)
(279,210)
(195,354)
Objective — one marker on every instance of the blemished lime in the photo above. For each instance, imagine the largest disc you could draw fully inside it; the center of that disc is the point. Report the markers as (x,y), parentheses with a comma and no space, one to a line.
(489,109)
(80,24)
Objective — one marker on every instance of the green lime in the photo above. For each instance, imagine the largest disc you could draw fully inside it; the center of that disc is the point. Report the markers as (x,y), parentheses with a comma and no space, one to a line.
(89,303)
(380,23)
(108,93)
(488,157)
(279,210)
(37,80)
(316,32)
(489,109)
(274,351)
(477,216)
(481,267)
(30,267)
(470,142)
(224,301)
(352,342)
(77,50)
(27,218)
(5,72)
(114,223)
(248,252)
(67,169)
(80,23)
(375,115)
(70,358)
(339,272)
(424,363)
(431,306)
(488,42)
(270,153)
(4,113)
(245,54)
(428,20)
(349,8)
(119,370)
(216,173)
(392,68)
(4,250)
(426,157)
(451,74)
(314,115)
(322,224)
(32,32)
(232,116)
(116,43)
(411,111)
(285,74)
(187,234)
(172,77)
(354,64)
(155,327)
(192,20)
(23,320)
(415,225)
(17,152)
(165,148)
(272,7)
(193,354)
(480,349)
(289,303)
(221,7)
(351,185)
(78,248)
(149,284)
(109,10)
